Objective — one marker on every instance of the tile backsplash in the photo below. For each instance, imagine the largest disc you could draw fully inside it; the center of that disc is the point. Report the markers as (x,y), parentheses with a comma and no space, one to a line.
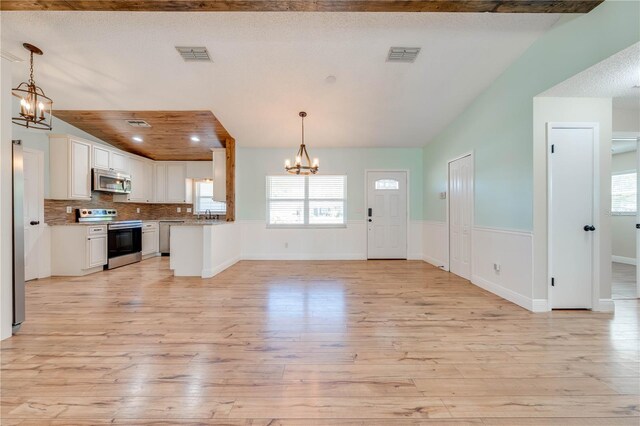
(55,211)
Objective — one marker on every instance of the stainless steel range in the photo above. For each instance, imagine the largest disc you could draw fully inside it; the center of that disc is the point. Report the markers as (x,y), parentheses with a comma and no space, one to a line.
(124,237)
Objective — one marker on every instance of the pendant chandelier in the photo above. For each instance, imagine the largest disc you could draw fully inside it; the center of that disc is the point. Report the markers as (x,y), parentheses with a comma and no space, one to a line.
(298,168)
(35,106)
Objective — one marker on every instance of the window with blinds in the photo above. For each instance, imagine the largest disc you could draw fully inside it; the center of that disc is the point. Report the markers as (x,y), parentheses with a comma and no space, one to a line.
(623,193)
(314,201)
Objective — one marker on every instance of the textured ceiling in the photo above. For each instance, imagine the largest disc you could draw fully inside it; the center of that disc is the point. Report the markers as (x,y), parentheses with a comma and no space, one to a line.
(268,66)
(615,77)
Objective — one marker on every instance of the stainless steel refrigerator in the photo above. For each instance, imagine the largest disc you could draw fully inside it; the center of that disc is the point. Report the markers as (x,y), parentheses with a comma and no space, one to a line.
(18,236)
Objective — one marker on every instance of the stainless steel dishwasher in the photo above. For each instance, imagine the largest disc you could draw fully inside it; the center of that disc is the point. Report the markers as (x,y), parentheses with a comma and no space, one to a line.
(165,235)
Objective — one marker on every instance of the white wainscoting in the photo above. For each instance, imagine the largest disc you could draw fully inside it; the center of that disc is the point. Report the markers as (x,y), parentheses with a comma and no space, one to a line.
(621,259)
(435,243)
(513,251)
(348,243)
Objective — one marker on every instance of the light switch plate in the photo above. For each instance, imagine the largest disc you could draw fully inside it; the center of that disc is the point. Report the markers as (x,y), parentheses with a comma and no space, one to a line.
(179,209)
(69,209)
(138,210)
(188,209)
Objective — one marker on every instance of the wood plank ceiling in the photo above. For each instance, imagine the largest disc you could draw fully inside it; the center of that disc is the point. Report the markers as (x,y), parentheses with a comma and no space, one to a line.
(168,138)
(497,6)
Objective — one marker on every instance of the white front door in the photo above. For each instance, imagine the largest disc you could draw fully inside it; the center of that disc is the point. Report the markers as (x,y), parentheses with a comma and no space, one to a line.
(386,215)
(571,219)
(33,219)
(460,215)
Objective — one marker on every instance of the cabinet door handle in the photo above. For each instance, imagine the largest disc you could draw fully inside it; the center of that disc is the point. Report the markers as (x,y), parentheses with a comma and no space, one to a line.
(34,222)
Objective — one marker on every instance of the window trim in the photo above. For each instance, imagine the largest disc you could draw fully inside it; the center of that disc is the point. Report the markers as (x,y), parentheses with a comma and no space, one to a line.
(195,197)
(624,172)
(306,224)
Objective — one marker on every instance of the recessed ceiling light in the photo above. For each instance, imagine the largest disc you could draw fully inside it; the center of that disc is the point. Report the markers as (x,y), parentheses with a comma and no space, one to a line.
(195,139)
(137,138)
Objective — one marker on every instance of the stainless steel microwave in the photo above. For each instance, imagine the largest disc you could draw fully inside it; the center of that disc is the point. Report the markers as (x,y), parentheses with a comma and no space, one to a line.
(110,181)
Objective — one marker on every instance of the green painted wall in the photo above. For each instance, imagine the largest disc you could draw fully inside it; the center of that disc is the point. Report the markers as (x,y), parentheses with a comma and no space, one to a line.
(498,125)
(253,164)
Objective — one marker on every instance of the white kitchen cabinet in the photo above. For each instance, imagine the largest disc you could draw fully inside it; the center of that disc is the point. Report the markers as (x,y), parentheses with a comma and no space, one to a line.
(150,238)
(160,183)
(171,184)
(96,251)
(220,175)
(118,162)
(108,159)
(176,183)
(70,168)
(78,249)
(100,157)
(141,172)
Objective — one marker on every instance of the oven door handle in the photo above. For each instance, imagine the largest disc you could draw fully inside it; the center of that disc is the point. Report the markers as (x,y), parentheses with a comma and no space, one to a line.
(121,227)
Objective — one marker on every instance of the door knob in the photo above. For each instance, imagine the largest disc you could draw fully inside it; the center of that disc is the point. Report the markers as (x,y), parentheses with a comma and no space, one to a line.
(34,222)
(589,228)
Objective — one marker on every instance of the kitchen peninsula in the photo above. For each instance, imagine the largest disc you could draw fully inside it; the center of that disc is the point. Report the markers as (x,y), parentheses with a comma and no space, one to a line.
(204,249)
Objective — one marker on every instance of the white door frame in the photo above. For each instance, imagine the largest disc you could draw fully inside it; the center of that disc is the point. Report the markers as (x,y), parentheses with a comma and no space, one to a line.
(366,204)
(473,203)
(595,261)
(40,156)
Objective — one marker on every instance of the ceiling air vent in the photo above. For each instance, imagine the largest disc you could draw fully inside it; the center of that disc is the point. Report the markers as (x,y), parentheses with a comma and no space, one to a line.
(403,54)
(194,54)
(138,123)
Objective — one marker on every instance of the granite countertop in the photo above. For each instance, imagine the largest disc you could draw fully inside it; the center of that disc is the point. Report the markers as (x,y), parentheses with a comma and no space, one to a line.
(201,222)
(77,223)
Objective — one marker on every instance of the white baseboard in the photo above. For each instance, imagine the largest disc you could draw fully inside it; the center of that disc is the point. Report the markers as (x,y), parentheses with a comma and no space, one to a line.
(435,262)
(507,294)
(208,273)
(605,305)
(540,305)
(303,256)
(625,260)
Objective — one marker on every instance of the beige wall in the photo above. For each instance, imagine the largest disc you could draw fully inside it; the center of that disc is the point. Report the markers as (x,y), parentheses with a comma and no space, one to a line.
(623,235)
(626,120)
(593,110)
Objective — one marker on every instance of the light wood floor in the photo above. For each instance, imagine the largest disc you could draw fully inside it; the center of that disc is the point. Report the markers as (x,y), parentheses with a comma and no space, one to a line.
(307,343)
(623,281)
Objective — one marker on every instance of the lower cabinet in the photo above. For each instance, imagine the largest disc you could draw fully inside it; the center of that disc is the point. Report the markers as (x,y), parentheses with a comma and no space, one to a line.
(78,249)
(150,238)
(96,251)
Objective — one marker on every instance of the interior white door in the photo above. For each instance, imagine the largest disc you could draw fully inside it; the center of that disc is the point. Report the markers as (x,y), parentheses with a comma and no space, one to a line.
(460,215)
(33,212)
(387,215)
(571,217)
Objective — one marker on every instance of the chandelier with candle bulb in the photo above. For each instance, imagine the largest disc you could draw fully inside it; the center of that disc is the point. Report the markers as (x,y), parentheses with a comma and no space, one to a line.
(35,106)
(300,168)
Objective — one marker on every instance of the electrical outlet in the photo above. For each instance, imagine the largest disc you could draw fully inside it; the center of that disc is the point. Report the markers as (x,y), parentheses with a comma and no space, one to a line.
(179,210)
(496,267)
(69,209)
(188,209)
(138,210)
(443,195)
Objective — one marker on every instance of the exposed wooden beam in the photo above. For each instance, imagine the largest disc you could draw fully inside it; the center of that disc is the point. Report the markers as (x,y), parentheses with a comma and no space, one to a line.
(496,6)
(230,146)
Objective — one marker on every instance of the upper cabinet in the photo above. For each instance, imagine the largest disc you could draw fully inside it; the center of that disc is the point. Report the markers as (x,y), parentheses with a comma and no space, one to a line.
(105,158)
(171,184)
(141,172)
(70,168)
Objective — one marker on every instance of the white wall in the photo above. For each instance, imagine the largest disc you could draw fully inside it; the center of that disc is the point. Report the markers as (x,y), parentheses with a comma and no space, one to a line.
(549,109)
(6,213)
(626,120)
(623,235)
